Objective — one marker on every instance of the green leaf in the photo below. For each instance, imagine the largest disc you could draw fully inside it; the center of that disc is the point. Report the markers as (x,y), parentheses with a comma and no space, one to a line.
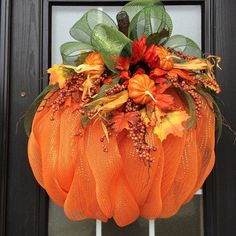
(111,44)
(84,121)
(135,6)
(29,115)
(150,20)
(186,45)
(83,28)
(190,104)
(70,51)
(218,114)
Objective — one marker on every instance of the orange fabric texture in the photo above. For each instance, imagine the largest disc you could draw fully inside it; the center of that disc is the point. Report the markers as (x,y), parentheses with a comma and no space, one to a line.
(90,183)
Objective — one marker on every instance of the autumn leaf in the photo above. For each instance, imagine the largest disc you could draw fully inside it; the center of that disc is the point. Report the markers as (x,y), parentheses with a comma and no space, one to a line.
(171,123)
(181,73)
(157,72)
(161,88)
(121,120)
(152,114)
(164,101)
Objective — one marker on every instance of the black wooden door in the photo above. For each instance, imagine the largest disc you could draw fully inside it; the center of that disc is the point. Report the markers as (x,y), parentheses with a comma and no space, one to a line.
(24,55)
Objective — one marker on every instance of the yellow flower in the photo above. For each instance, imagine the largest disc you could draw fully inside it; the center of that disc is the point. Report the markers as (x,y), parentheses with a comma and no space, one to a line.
(57,75)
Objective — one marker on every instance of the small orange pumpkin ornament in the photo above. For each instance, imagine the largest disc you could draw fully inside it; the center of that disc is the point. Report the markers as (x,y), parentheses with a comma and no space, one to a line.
(94,58)
(141,89)
(166,60)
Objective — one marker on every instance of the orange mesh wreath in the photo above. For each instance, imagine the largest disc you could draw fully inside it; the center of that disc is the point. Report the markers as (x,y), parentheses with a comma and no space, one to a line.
(126,126)
(90,183)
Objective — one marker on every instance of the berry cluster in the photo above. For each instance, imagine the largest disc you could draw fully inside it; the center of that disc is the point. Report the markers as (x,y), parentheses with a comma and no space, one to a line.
(195,96)
(104,147)
(72,86)
(115,89)
(188,88)
(130,106)
(210,83)
(91,113)
(180,54)
(137,133)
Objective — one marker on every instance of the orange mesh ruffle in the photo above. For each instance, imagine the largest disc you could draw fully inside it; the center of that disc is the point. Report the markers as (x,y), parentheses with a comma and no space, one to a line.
(90,183)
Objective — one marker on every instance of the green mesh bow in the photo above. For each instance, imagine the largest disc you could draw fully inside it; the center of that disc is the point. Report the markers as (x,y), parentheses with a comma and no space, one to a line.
(97,31)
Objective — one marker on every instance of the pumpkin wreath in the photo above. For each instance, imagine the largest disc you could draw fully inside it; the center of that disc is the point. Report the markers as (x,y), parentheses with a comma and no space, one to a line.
(126,126)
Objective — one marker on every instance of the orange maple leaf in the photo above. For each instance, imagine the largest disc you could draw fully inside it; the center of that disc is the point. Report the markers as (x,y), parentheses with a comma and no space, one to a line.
(122,120)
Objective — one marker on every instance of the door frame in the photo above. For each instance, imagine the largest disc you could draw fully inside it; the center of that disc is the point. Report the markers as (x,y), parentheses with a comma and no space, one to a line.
(24,55)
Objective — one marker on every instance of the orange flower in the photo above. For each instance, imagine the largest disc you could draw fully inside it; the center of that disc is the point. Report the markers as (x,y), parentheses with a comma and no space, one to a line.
(140,52)
(123,63)
(94,58)
(139,71)
(151,57)
(139,49)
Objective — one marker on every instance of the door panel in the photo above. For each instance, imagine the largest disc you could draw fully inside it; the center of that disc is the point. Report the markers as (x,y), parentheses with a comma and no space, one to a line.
(187,20)
(25,54)
(188,221)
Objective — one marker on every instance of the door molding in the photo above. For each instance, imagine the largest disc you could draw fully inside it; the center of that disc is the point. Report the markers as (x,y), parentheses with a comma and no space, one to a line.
(25,55)
(5,7)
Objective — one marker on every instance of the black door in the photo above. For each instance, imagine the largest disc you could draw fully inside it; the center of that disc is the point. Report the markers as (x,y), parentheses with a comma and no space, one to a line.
(25,53)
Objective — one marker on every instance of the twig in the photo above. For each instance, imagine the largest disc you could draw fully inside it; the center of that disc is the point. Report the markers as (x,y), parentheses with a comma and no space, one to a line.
(123,22)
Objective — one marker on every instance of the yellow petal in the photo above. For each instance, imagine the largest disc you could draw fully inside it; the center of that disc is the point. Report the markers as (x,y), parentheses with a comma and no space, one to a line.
(115,104)
(57,75)
(105,131)
(172,123)
(107,99)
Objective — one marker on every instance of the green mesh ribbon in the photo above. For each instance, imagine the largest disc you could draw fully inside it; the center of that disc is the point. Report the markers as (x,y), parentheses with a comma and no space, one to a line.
(150,20)
(134,7)
(186,45)
(83,28)
(71,51)
(111,44)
